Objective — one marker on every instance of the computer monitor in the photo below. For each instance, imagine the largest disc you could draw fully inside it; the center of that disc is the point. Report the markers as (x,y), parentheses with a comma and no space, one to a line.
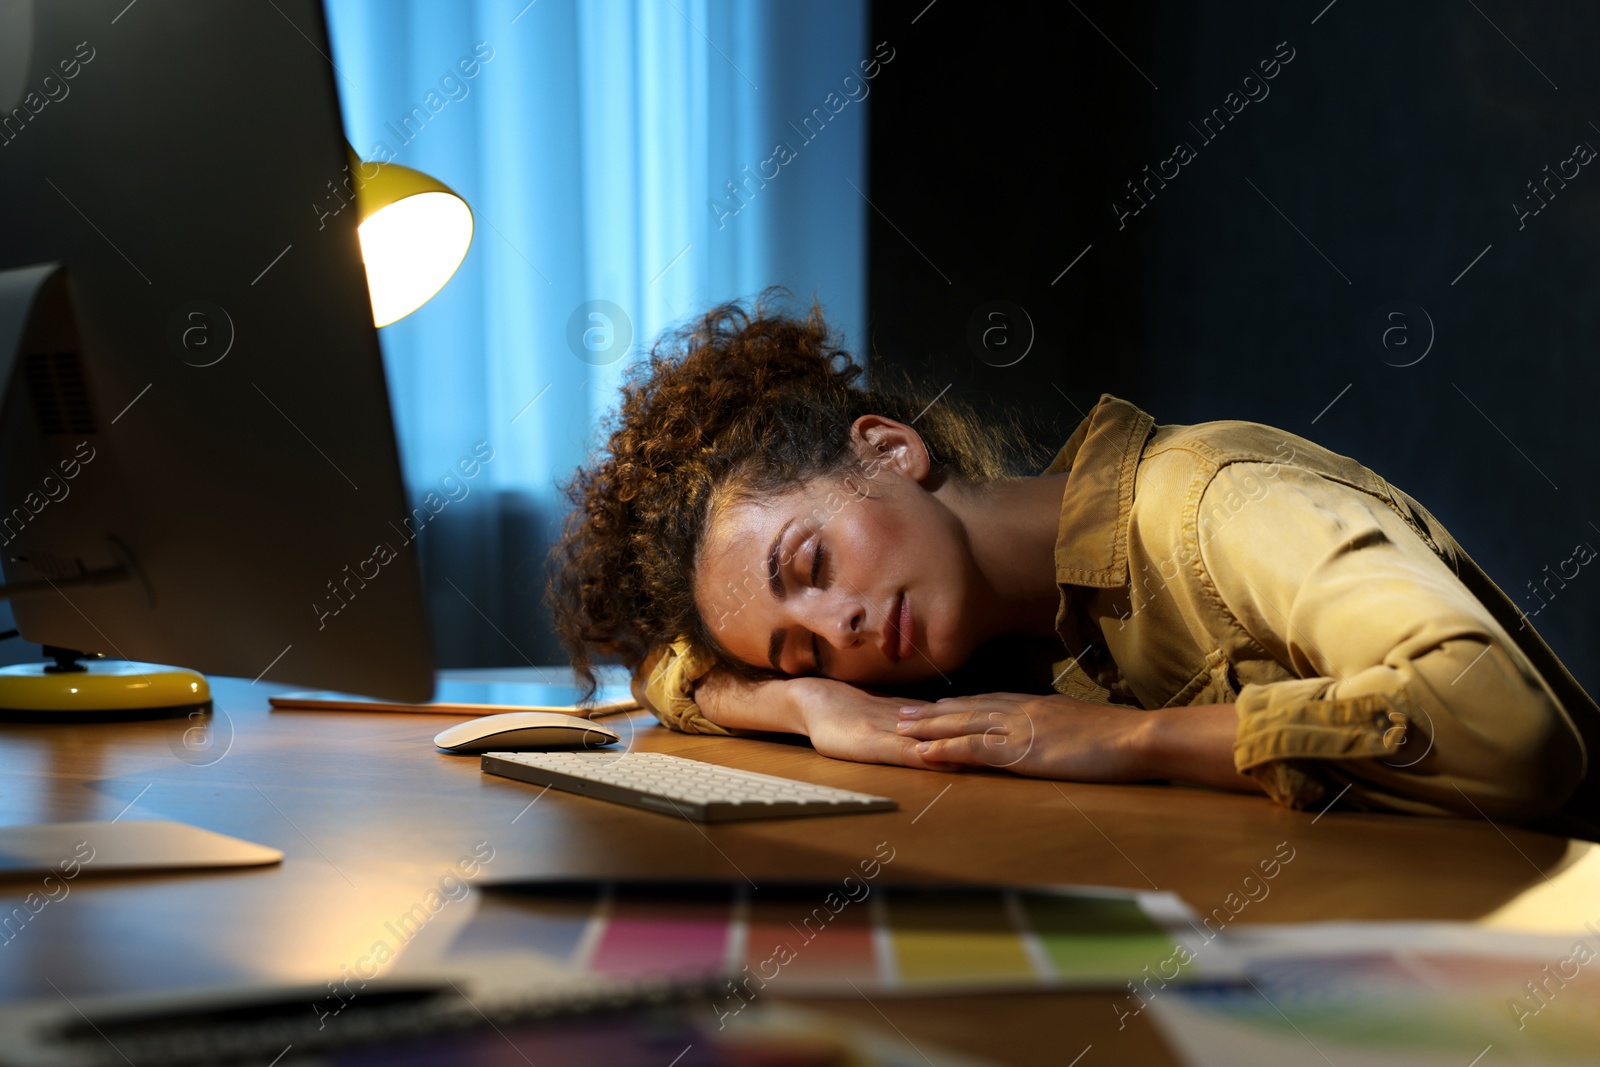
(197,460)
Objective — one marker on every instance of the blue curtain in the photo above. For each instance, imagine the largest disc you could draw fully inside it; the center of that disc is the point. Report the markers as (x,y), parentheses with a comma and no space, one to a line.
(621,160)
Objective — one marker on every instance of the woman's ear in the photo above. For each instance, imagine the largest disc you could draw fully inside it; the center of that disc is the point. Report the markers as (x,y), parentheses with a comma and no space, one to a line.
(886,445)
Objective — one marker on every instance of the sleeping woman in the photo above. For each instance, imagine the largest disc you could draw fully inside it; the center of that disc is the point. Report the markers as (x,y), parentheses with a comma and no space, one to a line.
(770,544)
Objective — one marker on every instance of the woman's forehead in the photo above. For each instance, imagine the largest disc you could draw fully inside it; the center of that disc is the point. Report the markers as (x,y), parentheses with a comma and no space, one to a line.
(754,539)
(808,508)
(742,528)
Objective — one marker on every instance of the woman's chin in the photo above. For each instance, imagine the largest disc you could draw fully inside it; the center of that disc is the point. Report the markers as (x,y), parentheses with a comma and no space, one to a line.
(925,665)
(888,676)
(921,668)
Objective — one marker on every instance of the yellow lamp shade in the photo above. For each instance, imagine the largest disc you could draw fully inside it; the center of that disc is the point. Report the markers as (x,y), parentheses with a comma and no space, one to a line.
(414,233)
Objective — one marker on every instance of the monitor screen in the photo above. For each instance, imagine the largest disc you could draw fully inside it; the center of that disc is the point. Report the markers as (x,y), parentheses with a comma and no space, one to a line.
(197,407)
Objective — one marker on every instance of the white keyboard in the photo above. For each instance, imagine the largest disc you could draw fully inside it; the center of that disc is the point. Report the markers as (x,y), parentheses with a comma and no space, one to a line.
(678,786)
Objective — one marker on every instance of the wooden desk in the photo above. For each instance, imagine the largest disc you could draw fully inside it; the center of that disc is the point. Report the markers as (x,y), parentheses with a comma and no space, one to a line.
(369,815)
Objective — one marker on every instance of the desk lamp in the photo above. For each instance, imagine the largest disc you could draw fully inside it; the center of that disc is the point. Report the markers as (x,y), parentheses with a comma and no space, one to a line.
(414,233)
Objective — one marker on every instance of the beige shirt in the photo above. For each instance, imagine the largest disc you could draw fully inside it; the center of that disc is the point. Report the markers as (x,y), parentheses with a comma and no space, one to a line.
(1370,659)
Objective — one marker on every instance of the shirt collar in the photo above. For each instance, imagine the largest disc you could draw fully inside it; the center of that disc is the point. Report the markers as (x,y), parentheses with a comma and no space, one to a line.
(1101,458)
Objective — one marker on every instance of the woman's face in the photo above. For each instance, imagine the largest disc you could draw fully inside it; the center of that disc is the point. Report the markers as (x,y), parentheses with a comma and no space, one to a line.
(866,577)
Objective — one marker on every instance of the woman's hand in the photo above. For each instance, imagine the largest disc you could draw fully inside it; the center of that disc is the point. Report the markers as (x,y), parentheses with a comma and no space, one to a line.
(1050,736)
(843,720)
(1055,736)
(847,722)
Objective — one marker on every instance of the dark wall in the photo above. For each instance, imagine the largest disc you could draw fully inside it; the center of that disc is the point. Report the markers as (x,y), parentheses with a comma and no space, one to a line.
(1370,173)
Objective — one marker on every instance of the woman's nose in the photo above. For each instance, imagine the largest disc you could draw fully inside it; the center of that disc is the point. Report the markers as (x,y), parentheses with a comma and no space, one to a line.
(838,619)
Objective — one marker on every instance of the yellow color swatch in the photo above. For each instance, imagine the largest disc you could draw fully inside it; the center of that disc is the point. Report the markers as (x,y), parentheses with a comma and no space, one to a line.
(947,937)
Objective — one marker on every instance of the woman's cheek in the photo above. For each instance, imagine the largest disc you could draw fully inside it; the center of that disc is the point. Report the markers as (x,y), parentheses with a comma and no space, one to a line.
(935,640)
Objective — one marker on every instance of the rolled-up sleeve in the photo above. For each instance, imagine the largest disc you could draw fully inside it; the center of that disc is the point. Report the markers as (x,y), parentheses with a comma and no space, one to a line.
(1409,696)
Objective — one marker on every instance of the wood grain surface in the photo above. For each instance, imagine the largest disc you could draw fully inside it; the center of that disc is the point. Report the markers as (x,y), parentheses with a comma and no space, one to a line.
(370,816)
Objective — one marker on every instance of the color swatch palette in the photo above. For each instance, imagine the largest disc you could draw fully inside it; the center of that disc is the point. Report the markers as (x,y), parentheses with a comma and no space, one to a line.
(813,937)
(1405,1008)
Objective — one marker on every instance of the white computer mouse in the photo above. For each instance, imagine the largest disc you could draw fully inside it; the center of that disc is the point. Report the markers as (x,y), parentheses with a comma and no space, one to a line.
(522,730)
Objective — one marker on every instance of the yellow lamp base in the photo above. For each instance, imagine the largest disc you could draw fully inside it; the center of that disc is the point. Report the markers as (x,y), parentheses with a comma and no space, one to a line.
(104,691)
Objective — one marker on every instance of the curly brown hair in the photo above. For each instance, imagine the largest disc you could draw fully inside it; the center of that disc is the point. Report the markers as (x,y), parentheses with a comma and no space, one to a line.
(736,404)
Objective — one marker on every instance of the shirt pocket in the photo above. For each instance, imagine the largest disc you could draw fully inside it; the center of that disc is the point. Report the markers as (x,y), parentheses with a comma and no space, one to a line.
(1213,683)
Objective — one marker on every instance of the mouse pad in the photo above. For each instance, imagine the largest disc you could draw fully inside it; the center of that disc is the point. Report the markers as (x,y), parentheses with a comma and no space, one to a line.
(69,849)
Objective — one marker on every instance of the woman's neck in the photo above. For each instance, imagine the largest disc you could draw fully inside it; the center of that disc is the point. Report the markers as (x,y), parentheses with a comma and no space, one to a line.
(1011,528)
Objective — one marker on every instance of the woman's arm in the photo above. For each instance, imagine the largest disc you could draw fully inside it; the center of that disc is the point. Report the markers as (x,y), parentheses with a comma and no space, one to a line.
(1410,696)
(1056,736)
(1045,736)
(1195,744)
(842,720)
(742,704)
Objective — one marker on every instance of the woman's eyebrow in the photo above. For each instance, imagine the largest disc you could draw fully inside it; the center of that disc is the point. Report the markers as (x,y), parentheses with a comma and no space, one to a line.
(774,575)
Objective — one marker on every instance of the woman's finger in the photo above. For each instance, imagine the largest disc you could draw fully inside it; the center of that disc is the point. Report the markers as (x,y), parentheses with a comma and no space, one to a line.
(878,746)
(960,705)
(949,707)
(967,722)
(967,750)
